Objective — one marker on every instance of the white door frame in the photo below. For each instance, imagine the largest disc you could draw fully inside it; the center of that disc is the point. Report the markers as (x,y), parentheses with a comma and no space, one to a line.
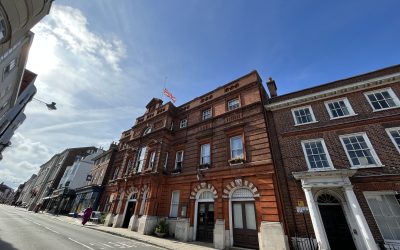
(350,220)
(196,207)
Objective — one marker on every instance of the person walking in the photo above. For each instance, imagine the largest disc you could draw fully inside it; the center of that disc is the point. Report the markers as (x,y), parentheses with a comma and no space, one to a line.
(86,215)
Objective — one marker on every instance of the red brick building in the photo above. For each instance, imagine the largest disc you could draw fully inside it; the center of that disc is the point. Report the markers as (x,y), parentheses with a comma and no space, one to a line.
(206,166)
(336,150)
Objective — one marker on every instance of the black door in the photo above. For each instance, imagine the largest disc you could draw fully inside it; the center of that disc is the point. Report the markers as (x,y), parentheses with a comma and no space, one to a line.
(336,227)
(205,222)
(129,212)
(245,232)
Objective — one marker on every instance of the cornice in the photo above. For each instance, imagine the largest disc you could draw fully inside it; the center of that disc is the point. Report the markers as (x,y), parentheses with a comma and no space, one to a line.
(329,93)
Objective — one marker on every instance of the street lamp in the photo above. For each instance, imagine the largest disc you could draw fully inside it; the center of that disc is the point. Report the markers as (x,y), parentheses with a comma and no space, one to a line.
(50,106)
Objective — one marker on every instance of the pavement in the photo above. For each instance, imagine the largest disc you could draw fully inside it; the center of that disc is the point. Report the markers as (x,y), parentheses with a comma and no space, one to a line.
(140,241)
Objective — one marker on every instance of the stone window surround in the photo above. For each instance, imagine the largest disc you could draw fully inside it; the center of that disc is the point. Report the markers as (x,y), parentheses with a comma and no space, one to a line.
(348,106)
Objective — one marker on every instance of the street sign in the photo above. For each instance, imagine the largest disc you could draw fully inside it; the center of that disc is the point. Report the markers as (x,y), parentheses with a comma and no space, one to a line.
(301,210)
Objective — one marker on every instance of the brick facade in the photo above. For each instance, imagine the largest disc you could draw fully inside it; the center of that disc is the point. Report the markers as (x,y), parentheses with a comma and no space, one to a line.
(222,176)
(286,138)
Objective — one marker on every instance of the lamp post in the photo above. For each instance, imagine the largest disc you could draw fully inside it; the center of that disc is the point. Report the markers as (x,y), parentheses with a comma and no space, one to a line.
(50,106)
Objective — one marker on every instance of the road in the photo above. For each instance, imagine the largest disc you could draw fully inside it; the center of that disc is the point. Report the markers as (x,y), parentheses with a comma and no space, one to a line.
(29,231)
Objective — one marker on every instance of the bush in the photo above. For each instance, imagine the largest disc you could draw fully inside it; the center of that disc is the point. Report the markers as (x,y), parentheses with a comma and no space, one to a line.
(162,227)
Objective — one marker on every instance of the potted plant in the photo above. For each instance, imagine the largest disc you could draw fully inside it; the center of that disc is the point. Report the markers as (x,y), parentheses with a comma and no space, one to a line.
(161,229)
(204,166)
(236,160)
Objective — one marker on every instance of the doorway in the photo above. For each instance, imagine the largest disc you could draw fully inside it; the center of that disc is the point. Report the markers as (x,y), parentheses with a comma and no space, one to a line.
(205,222)
(335,223)
(130,209)
(245,233)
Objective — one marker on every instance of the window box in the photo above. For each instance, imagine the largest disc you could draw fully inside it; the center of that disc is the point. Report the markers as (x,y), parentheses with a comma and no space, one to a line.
(177,170)
(236,161)
(204,166)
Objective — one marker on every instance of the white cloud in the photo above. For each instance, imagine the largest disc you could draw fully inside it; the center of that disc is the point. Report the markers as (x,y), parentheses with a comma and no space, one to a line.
(83,73)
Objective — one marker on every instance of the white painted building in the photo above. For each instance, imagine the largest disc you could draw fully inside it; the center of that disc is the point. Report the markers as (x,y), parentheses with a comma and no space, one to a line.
(75,175)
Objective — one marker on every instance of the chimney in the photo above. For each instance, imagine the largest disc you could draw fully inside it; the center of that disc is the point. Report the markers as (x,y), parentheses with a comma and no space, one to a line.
(272,87)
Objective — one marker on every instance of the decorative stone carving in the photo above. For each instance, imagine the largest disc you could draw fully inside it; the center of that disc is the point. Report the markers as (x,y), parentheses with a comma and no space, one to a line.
(240,183)
(200,186)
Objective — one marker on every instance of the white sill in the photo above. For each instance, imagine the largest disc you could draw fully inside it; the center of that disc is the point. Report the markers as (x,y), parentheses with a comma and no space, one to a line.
(368,166)
(321,169)
(345,116)
(300,124)
(377,110)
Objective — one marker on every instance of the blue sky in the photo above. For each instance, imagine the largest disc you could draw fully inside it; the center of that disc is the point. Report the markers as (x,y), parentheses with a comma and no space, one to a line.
(102,61)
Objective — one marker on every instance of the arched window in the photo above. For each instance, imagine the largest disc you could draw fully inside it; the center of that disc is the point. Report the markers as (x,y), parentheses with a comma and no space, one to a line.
(242,193)
(327,199)
(206,195)
(148,130)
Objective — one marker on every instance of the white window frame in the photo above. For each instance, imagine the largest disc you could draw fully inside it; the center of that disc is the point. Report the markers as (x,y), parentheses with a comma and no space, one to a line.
(391,93)
(201,153)
(152,159)
(367,141)
(230,145)
(140,159)
(300,108)
(233,107)
(388,130)
(176,159)
(203,116)
(183,123)
(174,204)
(348,106)
(166,161)
(328,158)
(371,194)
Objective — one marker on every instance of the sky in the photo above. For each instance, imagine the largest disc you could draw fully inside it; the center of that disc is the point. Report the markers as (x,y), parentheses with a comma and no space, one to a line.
(102,61)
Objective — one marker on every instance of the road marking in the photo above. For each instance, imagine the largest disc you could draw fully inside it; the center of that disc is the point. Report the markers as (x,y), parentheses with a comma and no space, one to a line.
(80,244)
(107,245)
(124,244)
(52,230)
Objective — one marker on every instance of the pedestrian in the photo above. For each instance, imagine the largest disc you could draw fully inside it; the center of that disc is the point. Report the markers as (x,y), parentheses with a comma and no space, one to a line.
(86,215)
